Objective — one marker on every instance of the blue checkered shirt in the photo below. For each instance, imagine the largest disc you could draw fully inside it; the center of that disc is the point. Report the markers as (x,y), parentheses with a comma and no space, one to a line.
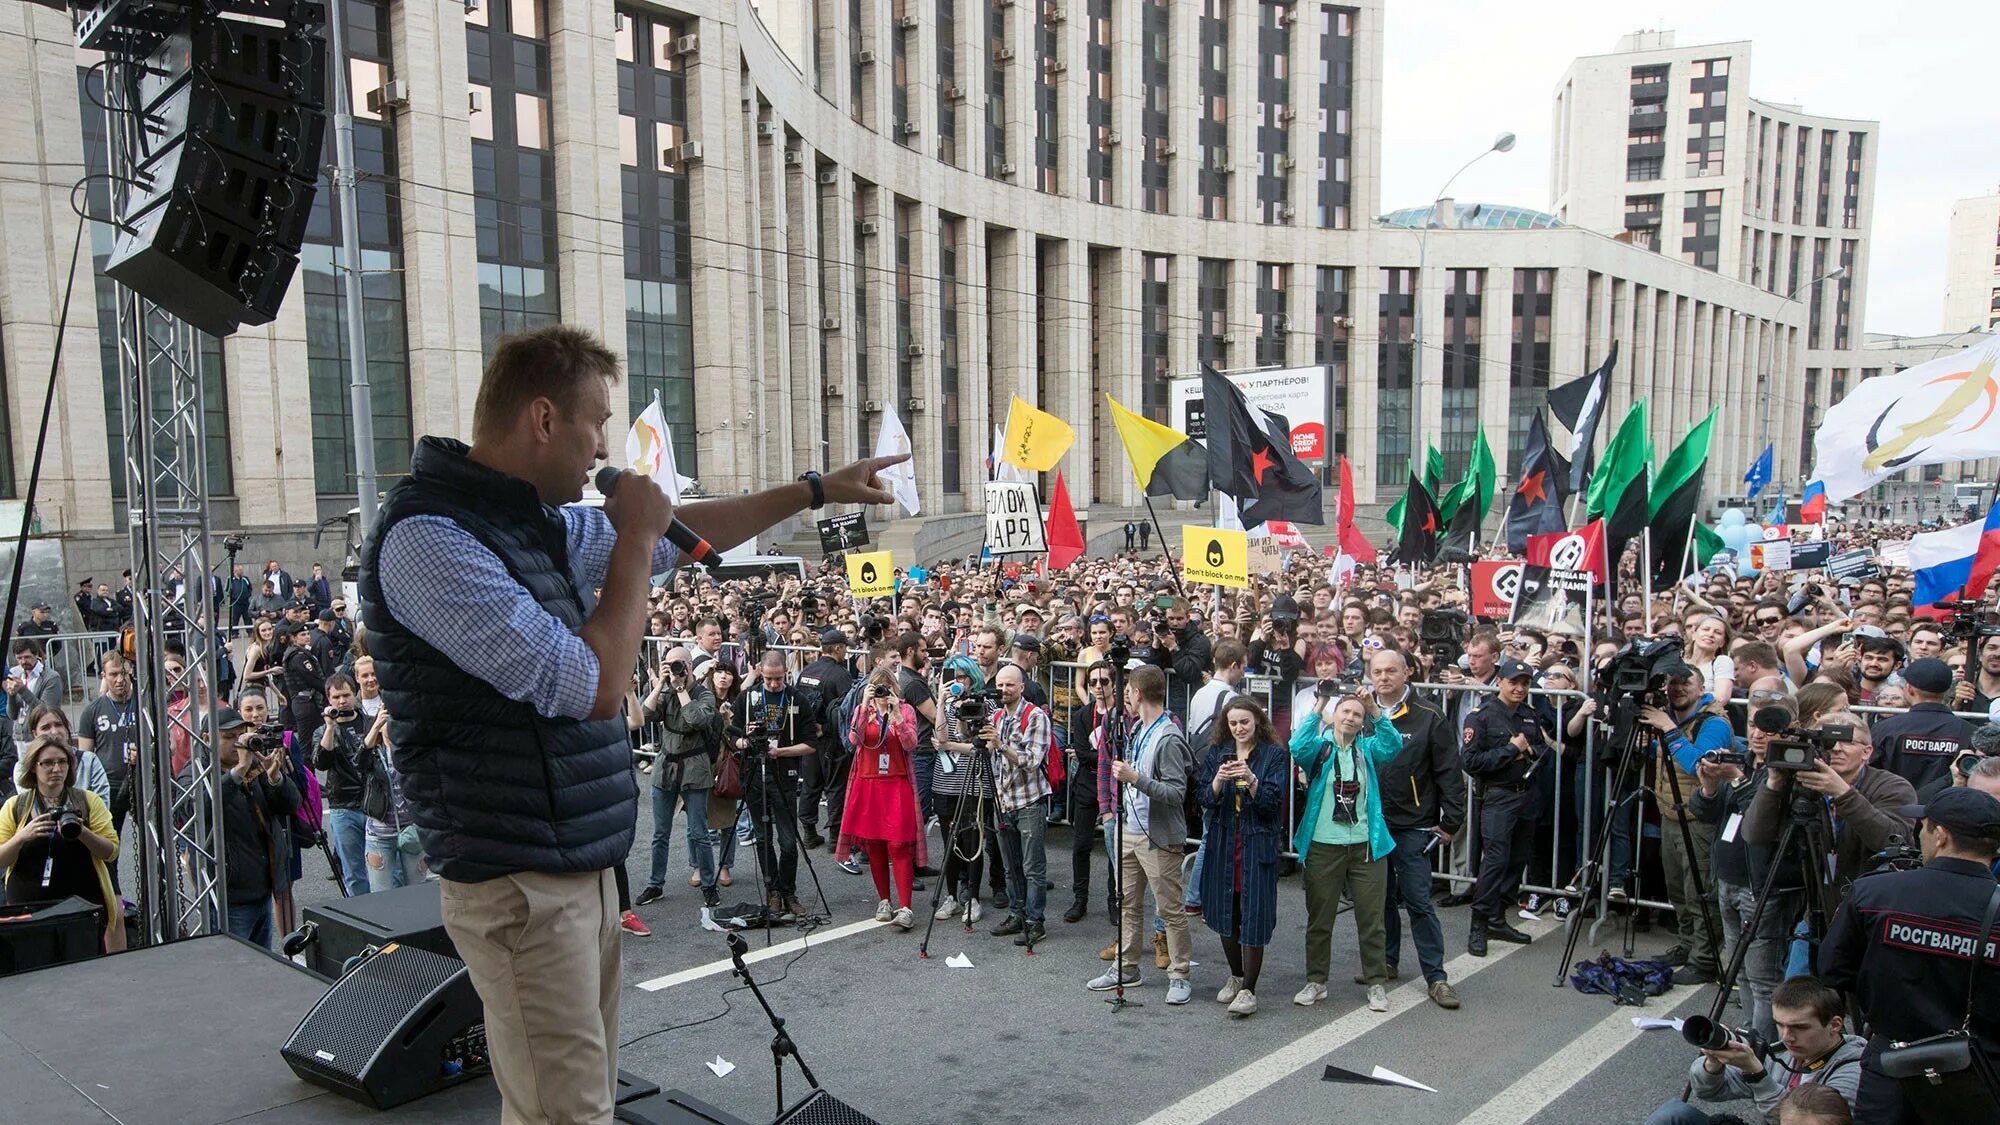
(455,594)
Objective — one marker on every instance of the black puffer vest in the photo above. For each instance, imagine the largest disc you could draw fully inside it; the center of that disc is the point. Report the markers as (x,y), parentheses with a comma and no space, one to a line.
(495,786)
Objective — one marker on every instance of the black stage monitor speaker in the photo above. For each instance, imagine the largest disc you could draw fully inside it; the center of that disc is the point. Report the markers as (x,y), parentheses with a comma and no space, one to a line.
(672,1107)
(409,915)
(404,1024)
(34,934)
(822,1108)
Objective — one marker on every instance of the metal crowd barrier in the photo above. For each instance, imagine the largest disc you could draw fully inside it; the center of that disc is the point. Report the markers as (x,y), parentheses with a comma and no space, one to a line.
(74,657)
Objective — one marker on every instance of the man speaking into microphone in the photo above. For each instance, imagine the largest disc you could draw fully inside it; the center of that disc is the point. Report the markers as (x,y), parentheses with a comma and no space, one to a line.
(504,676)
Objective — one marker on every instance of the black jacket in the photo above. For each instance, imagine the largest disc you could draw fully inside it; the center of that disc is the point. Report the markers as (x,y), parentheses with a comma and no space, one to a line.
(496,787)
(1921,743)
(829,681)
(1422,787)
(347,765)
(1486,747)
(1902,943)
(249,810)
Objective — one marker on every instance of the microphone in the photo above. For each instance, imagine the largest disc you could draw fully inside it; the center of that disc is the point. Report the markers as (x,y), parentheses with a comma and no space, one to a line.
(678,533)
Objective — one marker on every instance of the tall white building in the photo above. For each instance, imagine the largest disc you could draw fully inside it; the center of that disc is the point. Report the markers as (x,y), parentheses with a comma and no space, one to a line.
(1972,265)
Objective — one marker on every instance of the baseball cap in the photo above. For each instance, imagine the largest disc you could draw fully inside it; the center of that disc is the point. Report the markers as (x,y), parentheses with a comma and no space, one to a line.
(1027,642)
(1965,811)
(326,615)
(1512,669)
(1929,674)
(1028,607)
(831,637)
(228,718)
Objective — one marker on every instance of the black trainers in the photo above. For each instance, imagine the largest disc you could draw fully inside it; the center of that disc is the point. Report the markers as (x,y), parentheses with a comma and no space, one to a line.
(648,896)
(1693,975)
(1032,934)
(1676,955)
(1475,941)
(812,840)
(1011,924)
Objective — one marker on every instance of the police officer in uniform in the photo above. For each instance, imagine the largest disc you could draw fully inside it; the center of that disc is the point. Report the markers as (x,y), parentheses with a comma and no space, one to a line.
(1903,944)
(823,773)
(1921,744)
(304,682)
(1500,746)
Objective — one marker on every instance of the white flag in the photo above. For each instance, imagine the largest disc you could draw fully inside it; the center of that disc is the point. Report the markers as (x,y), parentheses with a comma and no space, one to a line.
(649,450)
(1931,414)
(1001,469)
(893,441)
(1230,518)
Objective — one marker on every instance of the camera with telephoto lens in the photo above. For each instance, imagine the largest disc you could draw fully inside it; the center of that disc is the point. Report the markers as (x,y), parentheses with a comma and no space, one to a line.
(1712,1035)
(1797,748)
(69,823)
(263,738)
(1639,671)
(1441,632)
(973,707)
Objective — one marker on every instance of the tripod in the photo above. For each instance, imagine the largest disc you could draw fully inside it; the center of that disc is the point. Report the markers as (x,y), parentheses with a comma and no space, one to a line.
(1807,829)
(979,758)
(769,792)
(782,1045)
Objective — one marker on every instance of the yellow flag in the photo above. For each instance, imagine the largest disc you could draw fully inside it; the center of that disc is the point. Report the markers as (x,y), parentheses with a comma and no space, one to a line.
(1036,439)
(1216,556)
(1145,440)
(871,574)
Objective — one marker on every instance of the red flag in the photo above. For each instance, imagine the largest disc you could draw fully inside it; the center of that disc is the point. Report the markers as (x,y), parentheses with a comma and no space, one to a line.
(1064,537)
(1582,549)
(1355,544)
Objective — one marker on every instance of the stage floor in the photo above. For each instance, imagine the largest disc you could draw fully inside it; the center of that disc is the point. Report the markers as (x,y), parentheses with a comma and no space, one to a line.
(184,1034)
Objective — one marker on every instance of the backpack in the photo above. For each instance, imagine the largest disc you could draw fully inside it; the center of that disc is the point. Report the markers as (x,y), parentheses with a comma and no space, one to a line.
(1626,982)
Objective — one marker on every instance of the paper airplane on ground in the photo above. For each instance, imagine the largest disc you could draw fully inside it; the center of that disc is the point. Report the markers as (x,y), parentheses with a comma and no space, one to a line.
(1381,1076)
(720,1066)
(959,961)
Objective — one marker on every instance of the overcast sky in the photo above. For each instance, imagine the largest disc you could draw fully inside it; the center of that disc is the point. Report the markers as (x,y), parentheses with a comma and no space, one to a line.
(1458,72)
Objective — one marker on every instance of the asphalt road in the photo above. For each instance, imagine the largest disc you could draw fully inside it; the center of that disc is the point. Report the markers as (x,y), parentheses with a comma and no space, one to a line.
(1016,1038)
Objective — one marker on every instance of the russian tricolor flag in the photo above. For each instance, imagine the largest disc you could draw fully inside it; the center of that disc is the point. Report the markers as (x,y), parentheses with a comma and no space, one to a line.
(1956,560)
(1812,509)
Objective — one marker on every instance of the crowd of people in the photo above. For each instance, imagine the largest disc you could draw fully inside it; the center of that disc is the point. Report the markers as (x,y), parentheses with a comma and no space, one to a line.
(1369,734)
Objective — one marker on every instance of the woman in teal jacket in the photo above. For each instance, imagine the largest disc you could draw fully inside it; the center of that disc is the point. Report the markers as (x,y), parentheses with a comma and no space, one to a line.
(1343,838)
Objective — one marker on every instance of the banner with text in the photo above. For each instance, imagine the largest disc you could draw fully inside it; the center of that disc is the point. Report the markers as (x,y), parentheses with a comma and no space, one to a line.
(1496,584)
(1297,393)
(1215,556)
(1014,519)
(871,574)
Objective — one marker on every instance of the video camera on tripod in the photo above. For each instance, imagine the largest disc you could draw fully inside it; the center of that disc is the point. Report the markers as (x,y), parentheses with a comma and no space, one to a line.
(1441,632)
(1636,676)
(1799,748)
(1968,621)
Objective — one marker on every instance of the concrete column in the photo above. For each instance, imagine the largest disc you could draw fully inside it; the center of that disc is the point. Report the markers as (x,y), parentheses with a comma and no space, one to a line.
(1183,317)
(1184,108)
(1366,118)
(1374,482)
(1241,323)
(926,424)
(1244,16)
(719,297)
(767,420)
(1012,314)
(1118,373)
(265,372)
(1067,392)
(975,361)
(440,234)
(803,402)
(1075,139)
(1128,55)
(590,238)
(1023,72)
(835,254)
(1496,341)
(1302,183)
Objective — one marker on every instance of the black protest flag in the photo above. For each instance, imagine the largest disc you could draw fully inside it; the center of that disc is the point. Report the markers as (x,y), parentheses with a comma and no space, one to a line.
(1579,406)
(1417,545)
(1536,506)
(1250,458)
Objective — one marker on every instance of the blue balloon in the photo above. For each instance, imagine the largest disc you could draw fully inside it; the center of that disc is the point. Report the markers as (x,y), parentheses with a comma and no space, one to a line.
(1733,517)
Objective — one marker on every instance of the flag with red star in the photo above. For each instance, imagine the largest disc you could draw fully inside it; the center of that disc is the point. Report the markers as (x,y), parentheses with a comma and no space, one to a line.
(1250,457)
(1417,545)
(1537,504)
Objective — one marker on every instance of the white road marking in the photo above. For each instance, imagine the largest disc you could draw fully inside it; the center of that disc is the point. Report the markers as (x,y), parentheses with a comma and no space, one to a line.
(1559,1072)
(1313,1046)
(715,968)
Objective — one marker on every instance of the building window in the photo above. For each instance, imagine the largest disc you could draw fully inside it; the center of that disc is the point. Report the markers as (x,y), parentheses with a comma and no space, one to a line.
(1274,112)
(1778,152)
(906,368)
(1336,117)
(1333,327)
(1799,154)
(1645,154)
(513,173)
(659,325)
(1097,102)
(1809,418)
(1701,228)
(947,87)
(1273,322)
(1643,216)
(1395,352)
(1461,368)
(900,118)
(1531,334)
(1843,300)
(1046,83)
(996,86)
(1212,309)
(1155,40)
(1850,200)
(1212,127)
(1824,210)
(1708,99)
(1816,299)
(1154,372)
(951,234)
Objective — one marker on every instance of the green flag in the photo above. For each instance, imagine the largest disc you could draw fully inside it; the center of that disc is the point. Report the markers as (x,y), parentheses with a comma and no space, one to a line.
(1394,516)
(1675,499)
(1433,469)
(1707,544)
(1618,490)
(1465,510)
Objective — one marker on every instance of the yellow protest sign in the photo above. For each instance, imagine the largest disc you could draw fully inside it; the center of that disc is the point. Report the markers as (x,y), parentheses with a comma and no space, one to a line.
(1215,556)
(871,574)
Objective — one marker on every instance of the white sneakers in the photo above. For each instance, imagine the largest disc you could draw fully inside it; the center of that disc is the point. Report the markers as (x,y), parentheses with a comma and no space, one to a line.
(1244,1004)
(1378,998)
(883,911)
(946,908)
(904,918)
(1228,992)
(1179,991)
(1108,980)
(1311,994)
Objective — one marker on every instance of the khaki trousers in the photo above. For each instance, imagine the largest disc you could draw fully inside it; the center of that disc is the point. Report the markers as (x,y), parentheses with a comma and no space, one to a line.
(1143,865)
(538,947)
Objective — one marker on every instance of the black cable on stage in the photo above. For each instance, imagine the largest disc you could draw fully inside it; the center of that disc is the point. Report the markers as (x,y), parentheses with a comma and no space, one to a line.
(726,1007)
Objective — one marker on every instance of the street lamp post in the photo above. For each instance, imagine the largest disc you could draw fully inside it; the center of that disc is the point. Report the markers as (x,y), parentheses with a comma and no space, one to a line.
(1502,143)
(1764,400)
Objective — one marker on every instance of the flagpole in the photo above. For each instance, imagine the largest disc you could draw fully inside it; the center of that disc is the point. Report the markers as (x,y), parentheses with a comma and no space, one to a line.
(1165,551)
(1646,573)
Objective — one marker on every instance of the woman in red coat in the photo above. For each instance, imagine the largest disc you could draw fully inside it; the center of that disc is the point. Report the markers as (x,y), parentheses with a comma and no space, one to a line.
(881,814)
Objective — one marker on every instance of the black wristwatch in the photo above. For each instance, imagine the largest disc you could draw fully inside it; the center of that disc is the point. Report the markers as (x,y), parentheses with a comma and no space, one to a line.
(819,490)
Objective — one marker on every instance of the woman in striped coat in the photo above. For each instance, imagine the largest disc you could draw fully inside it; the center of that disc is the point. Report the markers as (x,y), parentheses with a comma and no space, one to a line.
(1243,778)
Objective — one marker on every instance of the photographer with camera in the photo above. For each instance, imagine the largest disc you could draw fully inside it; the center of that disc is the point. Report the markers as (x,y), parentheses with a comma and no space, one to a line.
(257,792)
(1726,783)
(1920,744)
(1735,1065)
(340,753)
(1184,652)
(826,769)
(881,813)
(1980,688)
(56,838)
(1863,802)
(774,727)
(1915,947)
(682,775)
(1691,725)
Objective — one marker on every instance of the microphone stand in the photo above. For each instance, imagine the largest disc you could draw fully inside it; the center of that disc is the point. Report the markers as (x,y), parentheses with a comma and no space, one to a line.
(782,1045)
